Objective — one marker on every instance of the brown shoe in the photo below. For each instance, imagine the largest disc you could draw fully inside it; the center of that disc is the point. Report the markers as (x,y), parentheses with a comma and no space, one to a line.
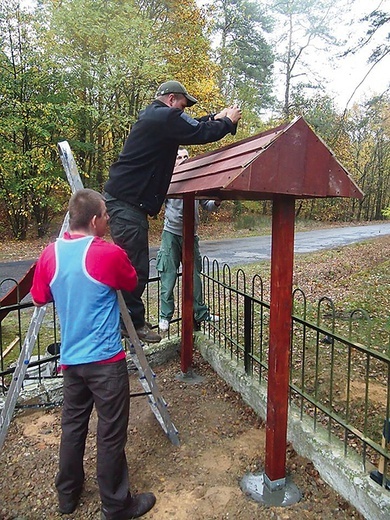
(148,335)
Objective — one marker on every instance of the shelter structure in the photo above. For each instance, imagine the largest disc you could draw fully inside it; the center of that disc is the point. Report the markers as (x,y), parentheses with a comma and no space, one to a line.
(282,164)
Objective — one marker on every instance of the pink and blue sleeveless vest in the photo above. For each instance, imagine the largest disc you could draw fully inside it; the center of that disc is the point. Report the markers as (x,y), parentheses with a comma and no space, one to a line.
(88,309)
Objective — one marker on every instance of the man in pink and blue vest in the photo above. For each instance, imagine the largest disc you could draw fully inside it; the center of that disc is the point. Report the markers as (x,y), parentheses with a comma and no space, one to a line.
(81,273)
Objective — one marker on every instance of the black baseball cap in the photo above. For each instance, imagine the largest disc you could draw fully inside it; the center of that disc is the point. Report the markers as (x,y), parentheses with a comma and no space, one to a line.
(174,87)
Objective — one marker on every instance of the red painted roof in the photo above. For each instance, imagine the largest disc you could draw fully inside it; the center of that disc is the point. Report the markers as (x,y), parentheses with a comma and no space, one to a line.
(288,160)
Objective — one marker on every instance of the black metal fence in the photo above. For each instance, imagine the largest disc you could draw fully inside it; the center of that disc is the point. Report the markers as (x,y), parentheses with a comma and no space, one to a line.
(13,330)
(339,370)
(339,365)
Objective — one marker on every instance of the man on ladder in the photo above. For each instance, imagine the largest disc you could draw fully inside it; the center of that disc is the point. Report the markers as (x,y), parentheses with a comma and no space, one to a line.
(82,273)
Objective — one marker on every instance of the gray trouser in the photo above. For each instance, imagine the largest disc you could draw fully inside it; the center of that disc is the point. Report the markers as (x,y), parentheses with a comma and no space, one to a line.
(106,386)
(129,229)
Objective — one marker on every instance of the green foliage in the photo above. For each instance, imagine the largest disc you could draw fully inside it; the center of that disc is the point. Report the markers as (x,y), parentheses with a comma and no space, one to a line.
(111,59)
(244,56)
(31,119)
(116,54)
(81,70)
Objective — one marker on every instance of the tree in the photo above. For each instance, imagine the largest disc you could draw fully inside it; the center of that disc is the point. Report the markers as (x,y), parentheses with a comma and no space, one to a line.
(81,70)
(245,58)
(108,53)
(30,121)
(187,52)
(116,54)
(370,138)
(375,37)
(302,25)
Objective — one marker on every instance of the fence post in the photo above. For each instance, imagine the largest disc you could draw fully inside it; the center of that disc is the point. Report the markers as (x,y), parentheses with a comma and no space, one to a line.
(272,487)
(187,339)
(247,334)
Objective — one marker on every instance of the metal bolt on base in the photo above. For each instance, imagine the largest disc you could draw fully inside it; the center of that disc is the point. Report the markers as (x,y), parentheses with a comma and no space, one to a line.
(261,489)
(189,377)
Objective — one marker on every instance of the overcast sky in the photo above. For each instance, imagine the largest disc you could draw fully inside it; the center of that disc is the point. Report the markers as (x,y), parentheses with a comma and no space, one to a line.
(341,76)
(352,70)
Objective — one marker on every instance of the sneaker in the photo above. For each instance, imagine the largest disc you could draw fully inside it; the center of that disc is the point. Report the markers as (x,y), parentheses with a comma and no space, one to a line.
(210,318)
(139,505)
(149,336)
(163,325)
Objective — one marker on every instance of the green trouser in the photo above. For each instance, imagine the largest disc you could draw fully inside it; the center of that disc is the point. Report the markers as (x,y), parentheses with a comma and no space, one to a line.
(167,264)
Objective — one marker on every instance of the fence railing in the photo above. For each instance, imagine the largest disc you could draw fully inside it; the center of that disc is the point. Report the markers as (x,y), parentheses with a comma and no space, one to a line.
(13,328)
(339,363)
(339,369)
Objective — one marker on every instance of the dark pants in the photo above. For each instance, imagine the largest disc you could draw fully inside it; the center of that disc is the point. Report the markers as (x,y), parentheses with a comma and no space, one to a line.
(129,229)
(106,386)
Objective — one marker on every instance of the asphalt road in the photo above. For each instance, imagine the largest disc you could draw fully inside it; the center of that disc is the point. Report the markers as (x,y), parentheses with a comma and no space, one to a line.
(247,250)
(239,251)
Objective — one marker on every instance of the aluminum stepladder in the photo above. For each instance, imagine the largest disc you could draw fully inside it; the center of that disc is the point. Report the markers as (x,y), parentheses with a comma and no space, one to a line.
(133,343)
(28,346)
(20,372)
(147,377)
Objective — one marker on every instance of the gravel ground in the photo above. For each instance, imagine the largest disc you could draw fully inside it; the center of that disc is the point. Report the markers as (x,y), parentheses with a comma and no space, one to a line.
(221,439)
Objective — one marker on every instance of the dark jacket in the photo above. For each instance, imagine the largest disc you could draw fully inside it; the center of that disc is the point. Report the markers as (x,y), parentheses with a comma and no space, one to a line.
(143,171)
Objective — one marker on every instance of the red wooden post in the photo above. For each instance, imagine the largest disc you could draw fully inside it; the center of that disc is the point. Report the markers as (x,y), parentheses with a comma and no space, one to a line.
(187,313)
(282,256)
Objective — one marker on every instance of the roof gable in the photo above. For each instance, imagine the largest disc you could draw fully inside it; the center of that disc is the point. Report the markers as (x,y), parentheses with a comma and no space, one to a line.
(287,160)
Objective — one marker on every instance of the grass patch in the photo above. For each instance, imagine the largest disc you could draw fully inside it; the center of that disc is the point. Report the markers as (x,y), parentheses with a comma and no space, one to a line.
(353,277)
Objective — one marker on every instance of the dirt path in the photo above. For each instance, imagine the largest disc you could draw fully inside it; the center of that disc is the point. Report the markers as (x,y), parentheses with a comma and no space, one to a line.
(221,440)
